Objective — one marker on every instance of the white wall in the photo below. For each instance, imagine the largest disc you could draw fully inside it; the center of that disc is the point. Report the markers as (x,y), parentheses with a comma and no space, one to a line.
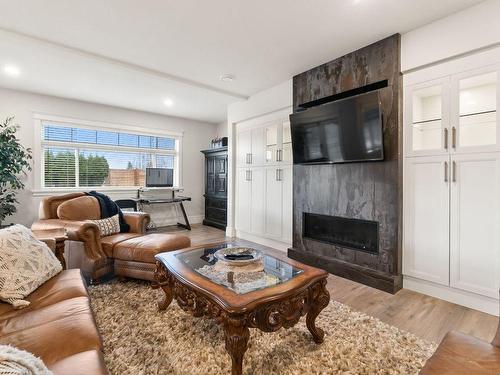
(222,129)
(266,102)
(197,136)
(471,29)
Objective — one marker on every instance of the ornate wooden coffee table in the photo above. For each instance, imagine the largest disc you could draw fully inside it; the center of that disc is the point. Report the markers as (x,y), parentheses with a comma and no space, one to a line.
(276,297)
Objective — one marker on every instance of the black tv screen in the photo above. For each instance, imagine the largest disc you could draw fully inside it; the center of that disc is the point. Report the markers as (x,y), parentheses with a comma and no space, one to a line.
(347,130)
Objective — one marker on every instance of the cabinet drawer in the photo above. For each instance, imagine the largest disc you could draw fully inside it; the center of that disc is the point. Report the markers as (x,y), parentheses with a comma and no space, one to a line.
(215,203)
(215,214)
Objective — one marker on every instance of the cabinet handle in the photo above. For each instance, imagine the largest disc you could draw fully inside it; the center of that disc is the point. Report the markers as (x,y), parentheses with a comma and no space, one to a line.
(249,175)
(454,137)
(454,171)
(277,155)
(446,138)
(279,176)
(445,171)
(251,158)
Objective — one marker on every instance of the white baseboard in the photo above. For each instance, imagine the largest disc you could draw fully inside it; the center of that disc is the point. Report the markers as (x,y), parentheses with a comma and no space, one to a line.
(460,297)
(279,245)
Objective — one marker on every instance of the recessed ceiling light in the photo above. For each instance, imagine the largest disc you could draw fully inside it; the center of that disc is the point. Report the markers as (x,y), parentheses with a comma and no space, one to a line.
(168,102)
(11,70)
(227,78)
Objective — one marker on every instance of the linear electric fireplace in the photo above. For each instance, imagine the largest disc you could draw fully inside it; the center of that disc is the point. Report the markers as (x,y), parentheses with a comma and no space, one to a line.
(354,234)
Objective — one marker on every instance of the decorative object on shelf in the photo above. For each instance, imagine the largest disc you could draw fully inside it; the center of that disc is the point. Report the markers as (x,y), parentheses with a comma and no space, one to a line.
(216,187)
(219,142)
(14,161)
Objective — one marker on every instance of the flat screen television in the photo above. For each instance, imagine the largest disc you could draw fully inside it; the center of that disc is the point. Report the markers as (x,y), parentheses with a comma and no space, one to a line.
(159,177)
(347,130)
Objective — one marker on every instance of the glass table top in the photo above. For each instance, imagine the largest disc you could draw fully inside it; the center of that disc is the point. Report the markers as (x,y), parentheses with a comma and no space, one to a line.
(267,272)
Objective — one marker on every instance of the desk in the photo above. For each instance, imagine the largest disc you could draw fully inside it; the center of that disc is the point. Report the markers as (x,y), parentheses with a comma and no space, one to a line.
(174,200)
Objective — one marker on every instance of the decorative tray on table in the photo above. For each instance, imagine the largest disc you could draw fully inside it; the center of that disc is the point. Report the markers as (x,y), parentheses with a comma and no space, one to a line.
(238,256)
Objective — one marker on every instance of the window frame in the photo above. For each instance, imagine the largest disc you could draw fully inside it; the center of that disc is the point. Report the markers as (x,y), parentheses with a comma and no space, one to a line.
(39,144)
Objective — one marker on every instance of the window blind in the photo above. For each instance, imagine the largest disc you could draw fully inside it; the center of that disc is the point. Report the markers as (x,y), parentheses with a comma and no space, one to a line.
(81,157)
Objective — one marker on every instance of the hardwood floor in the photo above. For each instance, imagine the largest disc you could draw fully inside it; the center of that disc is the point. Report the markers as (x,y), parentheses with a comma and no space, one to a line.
(422,315)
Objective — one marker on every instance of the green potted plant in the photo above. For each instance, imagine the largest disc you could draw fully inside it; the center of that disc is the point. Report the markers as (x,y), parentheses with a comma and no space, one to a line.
(14,161)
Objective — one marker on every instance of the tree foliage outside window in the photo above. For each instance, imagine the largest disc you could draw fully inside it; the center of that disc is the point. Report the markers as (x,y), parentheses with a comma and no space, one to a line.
(60,169)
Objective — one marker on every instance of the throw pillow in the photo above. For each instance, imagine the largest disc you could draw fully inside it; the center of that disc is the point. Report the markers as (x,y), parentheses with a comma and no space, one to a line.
(15,361)
(25,264)
(108,226)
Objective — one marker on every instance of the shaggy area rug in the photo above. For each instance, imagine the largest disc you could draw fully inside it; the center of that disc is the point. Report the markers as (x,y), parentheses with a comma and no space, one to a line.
(140,340)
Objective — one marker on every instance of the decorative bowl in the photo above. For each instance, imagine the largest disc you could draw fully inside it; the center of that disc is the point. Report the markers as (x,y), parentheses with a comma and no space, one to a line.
(255,254)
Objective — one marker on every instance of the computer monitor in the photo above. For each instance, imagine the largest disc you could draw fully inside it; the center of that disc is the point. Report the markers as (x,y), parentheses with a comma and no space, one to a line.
(159,177)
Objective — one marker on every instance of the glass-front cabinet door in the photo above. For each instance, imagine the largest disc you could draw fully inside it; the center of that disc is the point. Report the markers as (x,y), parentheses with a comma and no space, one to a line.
(427,118)
(272,142)
(278,142)
(475,124)
(286,147)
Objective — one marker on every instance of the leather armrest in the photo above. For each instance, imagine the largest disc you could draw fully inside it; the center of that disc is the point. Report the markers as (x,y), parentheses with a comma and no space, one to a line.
(83,231)
(138,221)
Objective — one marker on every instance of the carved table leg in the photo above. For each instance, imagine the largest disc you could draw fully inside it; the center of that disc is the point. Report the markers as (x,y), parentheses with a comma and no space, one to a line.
(167,298)
(164,281)
(237,335)
(319,300)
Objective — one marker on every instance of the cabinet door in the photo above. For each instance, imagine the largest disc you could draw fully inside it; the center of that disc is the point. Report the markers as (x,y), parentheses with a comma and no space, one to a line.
(243,199)
(427,118)
(258,146)
(221,175)
(274,202)
(426,243)
(272,143)
(286,142)
(244,148)
(475,224)
(475,99)
(287,216)
(257,208)
(210,176)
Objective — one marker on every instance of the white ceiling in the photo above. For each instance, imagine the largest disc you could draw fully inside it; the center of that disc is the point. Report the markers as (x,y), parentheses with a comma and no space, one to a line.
(136,53)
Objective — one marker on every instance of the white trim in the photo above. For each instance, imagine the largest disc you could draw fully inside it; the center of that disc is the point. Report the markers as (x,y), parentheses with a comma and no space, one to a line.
(461,297)
(107,125)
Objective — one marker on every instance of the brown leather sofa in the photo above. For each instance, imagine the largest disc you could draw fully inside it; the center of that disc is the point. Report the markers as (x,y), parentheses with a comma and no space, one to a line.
(58,326)
(126,254)
(460,354)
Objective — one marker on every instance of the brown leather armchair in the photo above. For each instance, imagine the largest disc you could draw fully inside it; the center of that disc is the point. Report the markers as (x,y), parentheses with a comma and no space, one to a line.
(460,354)
(86,249)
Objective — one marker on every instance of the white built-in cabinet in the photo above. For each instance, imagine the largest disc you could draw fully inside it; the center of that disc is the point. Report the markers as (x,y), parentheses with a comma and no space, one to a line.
(452,181)
(264,180)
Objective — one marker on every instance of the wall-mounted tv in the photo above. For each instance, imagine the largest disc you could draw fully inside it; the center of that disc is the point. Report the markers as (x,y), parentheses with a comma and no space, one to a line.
(347,130)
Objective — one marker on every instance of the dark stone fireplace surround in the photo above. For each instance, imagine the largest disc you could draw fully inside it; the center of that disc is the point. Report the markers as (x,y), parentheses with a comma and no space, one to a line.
(367,192)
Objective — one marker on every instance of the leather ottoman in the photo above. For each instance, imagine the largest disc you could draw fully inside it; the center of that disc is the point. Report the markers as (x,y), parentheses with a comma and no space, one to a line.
(135,257)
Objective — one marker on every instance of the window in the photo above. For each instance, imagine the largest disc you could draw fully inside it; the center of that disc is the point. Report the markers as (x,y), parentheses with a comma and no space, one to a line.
(77,156)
